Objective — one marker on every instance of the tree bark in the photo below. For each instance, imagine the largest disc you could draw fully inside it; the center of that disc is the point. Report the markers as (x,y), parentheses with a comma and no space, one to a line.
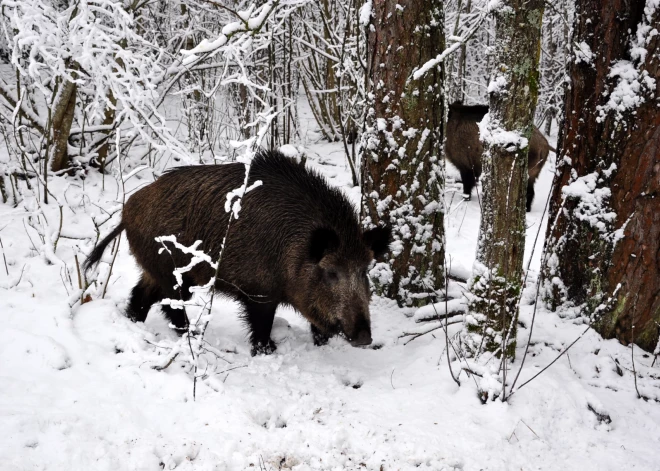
(495,287)
(403,180)
(603,243)
(61,121)
(108,120)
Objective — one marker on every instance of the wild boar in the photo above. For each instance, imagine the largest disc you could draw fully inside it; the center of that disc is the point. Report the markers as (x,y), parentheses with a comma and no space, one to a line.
(297,241)
(464,149)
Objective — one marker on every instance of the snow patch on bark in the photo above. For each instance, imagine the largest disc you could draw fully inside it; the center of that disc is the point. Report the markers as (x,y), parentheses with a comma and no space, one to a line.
(493,134)
(593,200)
(633,85)
(365,13)
(583,53)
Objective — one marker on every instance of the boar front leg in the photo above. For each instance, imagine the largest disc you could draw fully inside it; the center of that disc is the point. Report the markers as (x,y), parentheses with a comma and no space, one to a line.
(320,338)
(259,317)
(469,180)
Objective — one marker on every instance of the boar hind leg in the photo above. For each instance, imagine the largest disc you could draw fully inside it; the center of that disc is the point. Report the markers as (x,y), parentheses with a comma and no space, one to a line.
(469,180)
(259,319)
(530,194)
(143,296)
(178,317)
(319,337)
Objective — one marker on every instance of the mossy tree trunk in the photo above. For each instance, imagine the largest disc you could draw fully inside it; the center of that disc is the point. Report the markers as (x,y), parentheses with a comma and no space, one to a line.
(497,277)
(402,175)
(603,243)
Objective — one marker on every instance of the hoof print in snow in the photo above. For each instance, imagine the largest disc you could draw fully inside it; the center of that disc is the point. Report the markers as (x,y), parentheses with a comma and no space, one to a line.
(357,384)
(31,444)
(602,417)
(269,419)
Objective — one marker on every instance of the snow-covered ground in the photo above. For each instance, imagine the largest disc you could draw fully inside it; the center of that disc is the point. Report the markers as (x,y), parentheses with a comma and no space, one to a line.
(77,391)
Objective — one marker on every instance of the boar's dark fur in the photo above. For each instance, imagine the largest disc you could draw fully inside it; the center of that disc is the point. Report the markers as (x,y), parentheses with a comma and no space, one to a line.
(297,241)
(464,149)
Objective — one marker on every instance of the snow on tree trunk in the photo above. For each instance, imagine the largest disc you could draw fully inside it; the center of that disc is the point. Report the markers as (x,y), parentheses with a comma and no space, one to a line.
(603,243)
(497,273)
(402,174)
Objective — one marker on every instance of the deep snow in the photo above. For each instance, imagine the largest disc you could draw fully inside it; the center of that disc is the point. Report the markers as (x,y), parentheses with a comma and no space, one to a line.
(77,391)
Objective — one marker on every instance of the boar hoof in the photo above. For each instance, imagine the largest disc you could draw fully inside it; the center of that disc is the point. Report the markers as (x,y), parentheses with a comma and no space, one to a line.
(319,337)
(261,349)
(466,197)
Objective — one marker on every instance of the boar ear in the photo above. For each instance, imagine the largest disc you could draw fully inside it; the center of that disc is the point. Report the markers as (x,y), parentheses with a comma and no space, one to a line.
(322,242)
(378,240)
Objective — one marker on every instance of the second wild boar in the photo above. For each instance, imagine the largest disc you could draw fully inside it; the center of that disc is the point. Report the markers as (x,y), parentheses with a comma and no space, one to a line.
(464,149)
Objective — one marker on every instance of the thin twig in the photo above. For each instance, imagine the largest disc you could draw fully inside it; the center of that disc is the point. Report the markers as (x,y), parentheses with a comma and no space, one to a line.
(3,256)
(415,335)
(632,357)
(458,383)
(166,365)
(112,264)
(552,362)
(539,281)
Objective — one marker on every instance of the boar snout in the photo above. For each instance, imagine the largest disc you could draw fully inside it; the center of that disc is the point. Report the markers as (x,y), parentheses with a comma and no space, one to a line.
(363,339)
(361,333)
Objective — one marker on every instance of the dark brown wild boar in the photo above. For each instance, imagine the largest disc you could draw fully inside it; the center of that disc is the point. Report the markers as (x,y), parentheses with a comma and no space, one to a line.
(297,241)
(464,149)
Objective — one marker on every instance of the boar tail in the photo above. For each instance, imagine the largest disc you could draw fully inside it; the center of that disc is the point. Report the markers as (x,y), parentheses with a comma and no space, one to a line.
(552,149)
(97,253)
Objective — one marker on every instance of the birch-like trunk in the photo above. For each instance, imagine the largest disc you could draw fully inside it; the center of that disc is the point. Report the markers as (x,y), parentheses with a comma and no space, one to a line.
(403,177)
(496,282)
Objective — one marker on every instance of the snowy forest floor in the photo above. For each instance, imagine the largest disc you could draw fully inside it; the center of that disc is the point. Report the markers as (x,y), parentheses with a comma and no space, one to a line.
(77,391)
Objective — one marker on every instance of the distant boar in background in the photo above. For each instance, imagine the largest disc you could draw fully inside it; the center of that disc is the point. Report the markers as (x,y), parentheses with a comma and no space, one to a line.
(464,149)
(297,241)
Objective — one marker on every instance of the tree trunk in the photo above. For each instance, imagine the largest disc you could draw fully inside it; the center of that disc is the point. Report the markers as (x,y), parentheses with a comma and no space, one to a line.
(603,245)
(462,61)
(108,120)
(61,121)
(494,289)
(403,180)
(3,192)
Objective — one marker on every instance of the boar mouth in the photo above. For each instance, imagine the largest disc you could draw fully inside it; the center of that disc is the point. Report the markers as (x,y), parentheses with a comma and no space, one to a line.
(330,329)
(362,340)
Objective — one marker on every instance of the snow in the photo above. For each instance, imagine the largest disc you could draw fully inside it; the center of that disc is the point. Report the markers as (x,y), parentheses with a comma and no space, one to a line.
(497,85)
(583,53)
(629,91)
(593,201)
(365,13)
(491,132)
(77,391)
(633,85)
(290,151)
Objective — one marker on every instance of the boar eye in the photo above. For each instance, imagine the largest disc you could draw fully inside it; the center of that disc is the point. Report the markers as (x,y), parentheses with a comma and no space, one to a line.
(332,276)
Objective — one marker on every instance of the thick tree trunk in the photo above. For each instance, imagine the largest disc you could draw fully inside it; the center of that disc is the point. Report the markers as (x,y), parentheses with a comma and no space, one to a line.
(497,278)
(403,179)
(61,121)
(603,243)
